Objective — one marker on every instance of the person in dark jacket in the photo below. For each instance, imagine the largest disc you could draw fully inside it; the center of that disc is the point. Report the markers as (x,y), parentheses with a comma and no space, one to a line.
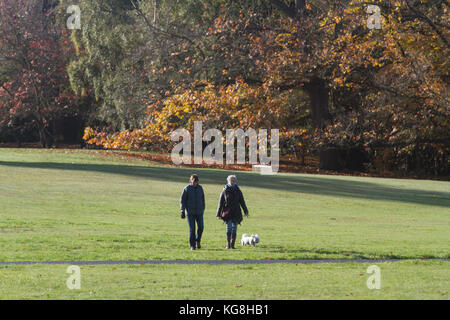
(192,204)
(231,200)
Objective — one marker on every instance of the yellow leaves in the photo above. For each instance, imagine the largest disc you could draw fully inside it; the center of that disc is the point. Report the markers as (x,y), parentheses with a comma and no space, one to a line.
(338,81)
(89,133)
(323,22)
(284,39)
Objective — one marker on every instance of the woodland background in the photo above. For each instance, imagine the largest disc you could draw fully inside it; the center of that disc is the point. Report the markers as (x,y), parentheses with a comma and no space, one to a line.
(351,97)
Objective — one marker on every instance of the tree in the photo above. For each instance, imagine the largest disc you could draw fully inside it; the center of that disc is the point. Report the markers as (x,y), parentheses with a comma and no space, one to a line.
(34,54)
(343,66)
(306,65)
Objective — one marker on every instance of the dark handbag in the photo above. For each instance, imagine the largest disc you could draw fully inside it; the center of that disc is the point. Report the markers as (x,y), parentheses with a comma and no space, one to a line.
(226,212)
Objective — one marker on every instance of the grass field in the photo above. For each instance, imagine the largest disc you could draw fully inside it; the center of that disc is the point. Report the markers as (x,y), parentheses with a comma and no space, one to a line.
(399,280)
(80,205)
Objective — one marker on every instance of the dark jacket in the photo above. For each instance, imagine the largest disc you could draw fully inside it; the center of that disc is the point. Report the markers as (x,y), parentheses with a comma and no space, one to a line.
(192,200)
(232,197)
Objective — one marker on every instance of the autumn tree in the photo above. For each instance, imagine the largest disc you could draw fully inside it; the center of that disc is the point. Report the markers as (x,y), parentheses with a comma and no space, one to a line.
(326,49)
(34,55)
(312,68)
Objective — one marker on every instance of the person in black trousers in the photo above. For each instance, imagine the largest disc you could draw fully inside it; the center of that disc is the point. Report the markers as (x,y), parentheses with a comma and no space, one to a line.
(192,204)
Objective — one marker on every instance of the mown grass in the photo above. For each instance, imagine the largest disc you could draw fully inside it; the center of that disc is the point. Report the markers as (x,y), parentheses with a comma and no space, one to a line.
(68,205)
(399,280)
(80,205)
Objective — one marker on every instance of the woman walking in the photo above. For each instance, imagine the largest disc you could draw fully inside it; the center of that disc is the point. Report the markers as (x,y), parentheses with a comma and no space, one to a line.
(192,203)
(229,209)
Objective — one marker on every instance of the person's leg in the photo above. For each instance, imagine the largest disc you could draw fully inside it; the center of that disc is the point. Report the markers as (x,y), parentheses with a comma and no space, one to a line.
(200,227)
(191,222)
(229,232)
(233,234)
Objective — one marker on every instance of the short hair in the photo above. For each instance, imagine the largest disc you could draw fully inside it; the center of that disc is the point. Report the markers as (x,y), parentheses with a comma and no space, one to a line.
(194,177)
(232,177)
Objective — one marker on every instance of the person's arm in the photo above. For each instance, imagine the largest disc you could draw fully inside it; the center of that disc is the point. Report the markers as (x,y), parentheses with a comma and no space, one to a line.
(221,204)
(242,203)
(183,201)
(203,199)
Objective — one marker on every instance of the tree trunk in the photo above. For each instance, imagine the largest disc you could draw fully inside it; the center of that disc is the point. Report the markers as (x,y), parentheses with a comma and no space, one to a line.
(55,131)
(330,158)
(42,138)
(318,95)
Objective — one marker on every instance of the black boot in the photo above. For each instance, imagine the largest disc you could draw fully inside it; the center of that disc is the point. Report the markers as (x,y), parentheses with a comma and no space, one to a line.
(233,241)
(228,241)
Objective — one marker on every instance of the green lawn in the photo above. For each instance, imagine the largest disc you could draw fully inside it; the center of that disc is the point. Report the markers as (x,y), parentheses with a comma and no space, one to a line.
(399,280)
(79,205)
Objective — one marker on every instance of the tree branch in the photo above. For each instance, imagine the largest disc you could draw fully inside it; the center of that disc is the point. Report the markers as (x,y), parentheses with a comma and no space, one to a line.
(430,23)
(6,89)
(152,27)
(288,11)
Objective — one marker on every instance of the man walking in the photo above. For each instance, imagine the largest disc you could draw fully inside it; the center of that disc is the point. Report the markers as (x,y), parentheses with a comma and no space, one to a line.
(192,204)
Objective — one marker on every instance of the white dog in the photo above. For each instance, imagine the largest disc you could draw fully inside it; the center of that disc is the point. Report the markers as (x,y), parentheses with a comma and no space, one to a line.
(250,240)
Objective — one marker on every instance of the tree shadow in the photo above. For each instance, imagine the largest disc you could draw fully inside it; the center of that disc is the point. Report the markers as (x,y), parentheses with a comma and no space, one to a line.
(324,253)
(290,183)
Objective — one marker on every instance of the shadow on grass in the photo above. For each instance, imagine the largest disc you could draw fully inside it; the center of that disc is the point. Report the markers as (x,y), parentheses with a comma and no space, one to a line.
(289,183)
(350,254)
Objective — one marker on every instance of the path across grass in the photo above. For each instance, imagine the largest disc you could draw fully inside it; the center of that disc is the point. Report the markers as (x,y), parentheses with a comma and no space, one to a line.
(209,262)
